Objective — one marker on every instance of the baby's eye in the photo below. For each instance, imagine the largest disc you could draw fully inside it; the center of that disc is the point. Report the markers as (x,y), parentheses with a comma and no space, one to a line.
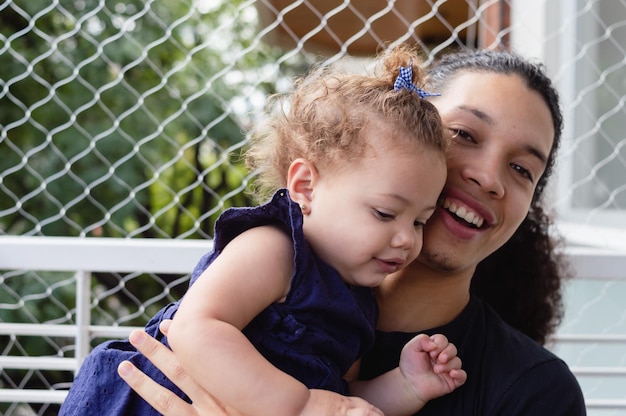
(384,215)
(418,224)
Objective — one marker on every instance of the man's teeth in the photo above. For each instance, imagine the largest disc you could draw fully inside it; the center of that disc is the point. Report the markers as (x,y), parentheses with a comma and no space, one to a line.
(462,212)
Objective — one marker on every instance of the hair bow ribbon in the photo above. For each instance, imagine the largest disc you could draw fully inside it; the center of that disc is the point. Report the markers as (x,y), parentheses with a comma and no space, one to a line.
(405,81)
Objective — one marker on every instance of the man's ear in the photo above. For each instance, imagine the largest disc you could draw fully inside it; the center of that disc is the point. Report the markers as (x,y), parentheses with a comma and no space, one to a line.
(301,179)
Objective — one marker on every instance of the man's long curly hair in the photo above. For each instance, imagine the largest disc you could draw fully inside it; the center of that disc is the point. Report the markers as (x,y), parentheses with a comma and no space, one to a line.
(523,279)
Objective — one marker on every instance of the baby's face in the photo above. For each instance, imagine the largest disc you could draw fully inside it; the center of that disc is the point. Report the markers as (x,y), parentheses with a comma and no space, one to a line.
(366,218)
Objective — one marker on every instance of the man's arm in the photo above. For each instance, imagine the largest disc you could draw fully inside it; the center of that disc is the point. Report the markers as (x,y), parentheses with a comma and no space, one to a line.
(548,389)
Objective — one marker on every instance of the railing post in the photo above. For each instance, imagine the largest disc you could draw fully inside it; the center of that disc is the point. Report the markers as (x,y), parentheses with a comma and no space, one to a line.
(83,315)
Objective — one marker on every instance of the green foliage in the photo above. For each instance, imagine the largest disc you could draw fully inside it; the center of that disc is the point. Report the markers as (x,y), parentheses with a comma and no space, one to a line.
(117,120)
(32,297)
(107,108)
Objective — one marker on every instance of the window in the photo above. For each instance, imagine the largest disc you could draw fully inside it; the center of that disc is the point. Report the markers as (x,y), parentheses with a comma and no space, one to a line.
(583,45)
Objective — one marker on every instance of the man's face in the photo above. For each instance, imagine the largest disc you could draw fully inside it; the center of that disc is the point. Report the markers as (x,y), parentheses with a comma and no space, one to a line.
(502,134)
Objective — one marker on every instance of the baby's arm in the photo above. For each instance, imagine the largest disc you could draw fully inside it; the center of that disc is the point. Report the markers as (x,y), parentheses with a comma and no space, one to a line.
(429,368)
(252,271)
(203,403)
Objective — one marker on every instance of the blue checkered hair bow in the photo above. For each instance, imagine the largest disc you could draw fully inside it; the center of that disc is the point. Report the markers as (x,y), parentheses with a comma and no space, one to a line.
(405,80)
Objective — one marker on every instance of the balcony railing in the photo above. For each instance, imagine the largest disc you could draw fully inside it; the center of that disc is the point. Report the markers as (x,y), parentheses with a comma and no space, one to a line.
(82,256)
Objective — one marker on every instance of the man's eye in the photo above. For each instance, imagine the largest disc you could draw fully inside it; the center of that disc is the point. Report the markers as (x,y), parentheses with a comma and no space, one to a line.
(460,134)
(523,172)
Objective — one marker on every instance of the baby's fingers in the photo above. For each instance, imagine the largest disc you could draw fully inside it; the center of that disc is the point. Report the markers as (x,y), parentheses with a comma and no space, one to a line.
(444,351)
(448,366)
(451,373)
(458,377)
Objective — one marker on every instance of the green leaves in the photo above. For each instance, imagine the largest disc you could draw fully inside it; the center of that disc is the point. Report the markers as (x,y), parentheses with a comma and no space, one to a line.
(108,109)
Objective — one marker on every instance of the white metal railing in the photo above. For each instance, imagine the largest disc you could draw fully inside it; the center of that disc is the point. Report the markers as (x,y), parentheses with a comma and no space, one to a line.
(85,255)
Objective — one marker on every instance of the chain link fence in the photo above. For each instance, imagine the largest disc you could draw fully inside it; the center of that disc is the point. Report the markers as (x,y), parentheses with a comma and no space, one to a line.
(126,119)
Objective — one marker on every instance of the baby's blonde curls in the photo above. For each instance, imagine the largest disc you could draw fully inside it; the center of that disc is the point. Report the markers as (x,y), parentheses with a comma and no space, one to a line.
(320,119)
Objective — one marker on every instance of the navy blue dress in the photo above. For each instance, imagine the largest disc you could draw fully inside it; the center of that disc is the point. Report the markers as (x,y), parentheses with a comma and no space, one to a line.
(316,335)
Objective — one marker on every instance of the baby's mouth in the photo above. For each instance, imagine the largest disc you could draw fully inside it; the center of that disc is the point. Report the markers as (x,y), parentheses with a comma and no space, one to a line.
(471,218)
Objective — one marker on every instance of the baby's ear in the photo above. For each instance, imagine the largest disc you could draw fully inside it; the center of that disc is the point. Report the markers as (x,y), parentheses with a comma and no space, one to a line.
(301,179)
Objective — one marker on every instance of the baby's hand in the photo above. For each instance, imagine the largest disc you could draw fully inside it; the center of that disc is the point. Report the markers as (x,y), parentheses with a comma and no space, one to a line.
(431,366)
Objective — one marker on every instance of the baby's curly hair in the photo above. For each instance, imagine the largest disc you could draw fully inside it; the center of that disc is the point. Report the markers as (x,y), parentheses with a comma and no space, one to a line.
(322,117)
